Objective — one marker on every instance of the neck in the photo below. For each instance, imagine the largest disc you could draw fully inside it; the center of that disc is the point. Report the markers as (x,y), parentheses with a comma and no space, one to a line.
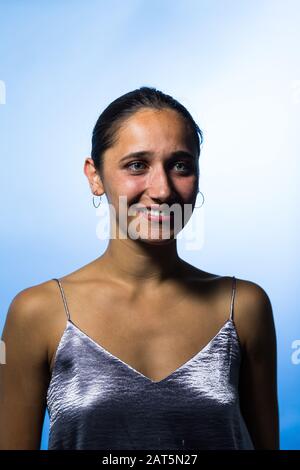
(140,263)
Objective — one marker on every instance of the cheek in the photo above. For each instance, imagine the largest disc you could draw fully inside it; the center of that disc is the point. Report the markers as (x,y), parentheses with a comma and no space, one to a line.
(187,188)
(134,187)
(131,188)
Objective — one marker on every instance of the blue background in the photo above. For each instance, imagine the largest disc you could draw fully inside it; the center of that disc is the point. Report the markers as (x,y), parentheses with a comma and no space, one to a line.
(234,64)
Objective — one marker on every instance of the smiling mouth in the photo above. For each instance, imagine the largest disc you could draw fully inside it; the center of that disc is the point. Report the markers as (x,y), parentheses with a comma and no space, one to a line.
(156,215)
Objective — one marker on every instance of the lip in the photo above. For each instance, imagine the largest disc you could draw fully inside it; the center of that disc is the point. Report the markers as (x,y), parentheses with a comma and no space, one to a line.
(154,207)
(156,218)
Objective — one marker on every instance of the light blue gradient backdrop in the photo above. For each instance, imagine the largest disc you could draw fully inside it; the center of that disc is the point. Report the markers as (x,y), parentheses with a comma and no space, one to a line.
(234,64)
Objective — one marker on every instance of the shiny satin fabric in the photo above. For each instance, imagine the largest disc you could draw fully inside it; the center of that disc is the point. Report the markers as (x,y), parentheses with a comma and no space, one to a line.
(96,401)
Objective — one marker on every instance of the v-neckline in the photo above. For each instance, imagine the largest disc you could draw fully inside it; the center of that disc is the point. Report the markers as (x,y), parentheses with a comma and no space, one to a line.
(138,373)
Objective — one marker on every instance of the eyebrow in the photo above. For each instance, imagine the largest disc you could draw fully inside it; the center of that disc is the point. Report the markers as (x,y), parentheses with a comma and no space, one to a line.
(145,153)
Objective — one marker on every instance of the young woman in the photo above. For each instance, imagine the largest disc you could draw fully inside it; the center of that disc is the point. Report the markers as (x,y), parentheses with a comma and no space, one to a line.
(139,349)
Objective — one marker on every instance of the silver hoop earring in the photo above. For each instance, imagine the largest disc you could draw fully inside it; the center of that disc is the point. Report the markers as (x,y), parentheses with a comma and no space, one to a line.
(198,207)
(96,207)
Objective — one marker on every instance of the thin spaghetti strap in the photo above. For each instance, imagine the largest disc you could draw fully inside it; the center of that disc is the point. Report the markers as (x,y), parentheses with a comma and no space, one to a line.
(232,296)
(63,297)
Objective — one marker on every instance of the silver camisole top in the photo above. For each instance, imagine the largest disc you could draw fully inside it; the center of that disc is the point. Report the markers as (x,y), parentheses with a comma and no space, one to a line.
(97,401)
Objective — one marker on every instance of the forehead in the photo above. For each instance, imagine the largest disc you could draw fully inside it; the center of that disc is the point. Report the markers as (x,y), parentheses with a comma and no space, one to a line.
(149,128)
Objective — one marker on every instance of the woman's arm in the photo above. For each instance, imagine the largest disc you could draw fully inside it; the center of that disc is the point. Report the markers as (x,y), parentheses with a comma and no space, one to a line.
(24,377)
(258,373)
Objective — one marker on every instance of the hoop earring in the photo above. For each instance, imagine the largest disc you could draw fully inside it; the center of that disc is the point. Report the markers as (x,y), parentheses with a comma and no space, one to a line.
(96,207)
(198,207)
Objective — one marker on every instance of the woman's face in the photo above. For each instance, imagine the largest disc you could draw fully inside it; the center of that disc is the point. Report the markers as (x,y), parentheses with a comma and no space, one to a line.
(165,174)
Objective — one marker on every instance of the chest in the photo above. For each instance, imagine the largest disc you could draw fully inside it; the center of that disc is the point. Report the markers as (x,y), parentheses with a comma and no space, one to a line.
(154,340)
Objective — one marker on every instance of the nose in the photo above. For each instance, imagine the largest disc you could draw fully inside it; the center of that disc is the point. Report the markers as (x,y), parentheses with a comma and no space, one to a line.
(159,185)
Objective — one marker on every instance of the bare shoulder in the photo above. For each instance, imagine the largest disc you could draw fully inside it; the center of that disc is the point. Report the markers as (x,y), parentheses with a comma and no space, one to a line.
(252,311)
(31,304)
(29,315)
(253,316)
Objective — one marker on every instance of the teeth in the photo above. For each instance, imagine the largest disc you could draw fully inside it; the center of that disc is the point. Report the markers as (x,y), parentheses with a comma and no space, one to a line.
(155,212)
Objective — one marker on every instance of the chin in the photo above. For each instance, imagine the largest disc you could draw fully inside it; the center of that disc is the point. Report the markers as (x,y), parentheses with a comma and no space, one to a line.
(156,241)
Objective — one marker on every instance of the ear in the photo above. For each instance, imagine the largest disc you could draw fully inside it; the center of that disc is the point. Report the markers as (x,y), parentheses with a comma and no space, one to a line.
(92,174)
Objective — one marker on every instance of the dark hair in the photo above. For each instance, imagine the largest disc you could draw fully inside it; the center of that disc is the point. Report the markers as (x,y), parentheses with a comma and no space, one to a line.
(111,119)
